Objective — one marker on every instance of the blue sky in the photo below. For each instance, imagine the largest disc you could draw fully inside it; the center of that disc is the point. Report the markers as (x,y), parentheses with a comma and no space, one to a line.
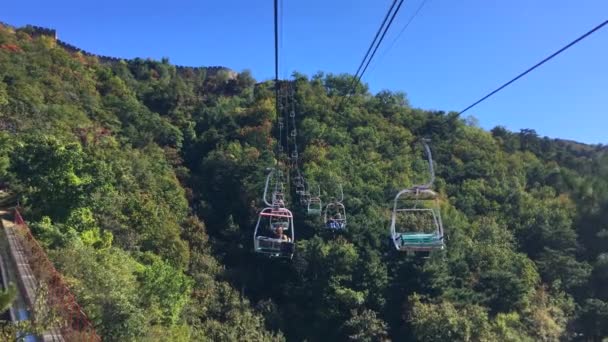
(453,53)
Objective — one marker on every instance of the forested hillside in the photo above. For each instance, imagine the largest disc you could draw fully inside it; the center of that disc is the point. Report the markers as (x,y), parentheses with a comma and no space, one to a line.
(143,183)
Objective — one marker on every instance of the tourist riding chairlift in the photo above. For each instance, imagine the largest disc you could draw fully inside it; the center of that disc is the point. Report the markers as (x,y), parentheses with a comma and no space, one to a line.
(300,185)
(304,198)
(335,213)
(416,225)
(315,206)
(274,233)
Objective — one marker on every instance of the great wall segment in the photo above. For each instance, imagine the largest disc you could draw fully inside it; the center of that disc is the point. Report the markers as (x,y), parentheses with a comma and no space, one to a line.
(37,31)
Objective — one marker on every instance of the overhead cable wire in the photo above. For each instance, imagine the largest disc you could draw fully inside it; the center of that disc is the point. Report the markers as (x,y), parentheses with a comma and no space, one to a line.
(407,24)
(276,55)
(381,39)
(276,76)
(373,43)
(282,33)
(281,23)
(574,42)
(369,50)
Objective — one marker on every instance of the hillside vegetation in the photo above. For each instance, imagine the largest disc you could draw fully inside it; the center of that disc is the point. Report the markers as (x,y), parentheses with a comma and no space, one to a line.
(143,183)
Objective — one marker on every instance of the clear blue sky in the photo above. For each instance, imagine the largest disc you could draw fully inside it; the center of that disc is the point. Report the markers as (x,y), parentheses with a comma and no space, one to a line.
(453,53)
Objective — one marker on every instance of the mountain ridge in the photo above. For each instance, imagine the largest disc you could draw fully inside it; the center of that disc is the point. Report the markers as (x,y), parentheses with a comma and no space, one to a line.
(38,31)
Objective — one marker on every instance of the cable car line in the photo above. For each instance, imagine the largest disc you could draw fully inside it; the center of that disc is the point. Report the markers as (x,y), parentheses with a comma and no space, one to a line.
(274,234)
(401,32)
(416,225)
(369,50)
(381,39)
(371,46)
(537,65)
(358,77)
(276,77)
(276,54)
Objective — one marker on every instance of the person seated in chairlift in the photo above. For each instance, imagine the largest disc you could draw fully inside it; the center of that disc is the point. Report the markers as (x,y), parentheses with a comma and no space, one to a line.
(338,220)
(278,224)
(333,222)
(280,235)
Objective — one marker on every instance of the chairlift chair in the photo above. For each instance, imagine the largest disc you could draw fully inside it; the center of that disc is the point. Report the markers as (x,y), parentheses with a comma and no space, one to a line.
(335,213)
(315,205)
(335,216)
(274,233)
(305,198)
(293,160)
(416,224)
(278,199)
(300,185)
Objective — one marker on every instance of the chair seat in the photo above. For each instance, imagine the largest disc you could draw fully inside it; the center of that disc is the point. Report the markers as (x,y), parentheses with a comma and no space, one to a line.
(420,239)
(274,247)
